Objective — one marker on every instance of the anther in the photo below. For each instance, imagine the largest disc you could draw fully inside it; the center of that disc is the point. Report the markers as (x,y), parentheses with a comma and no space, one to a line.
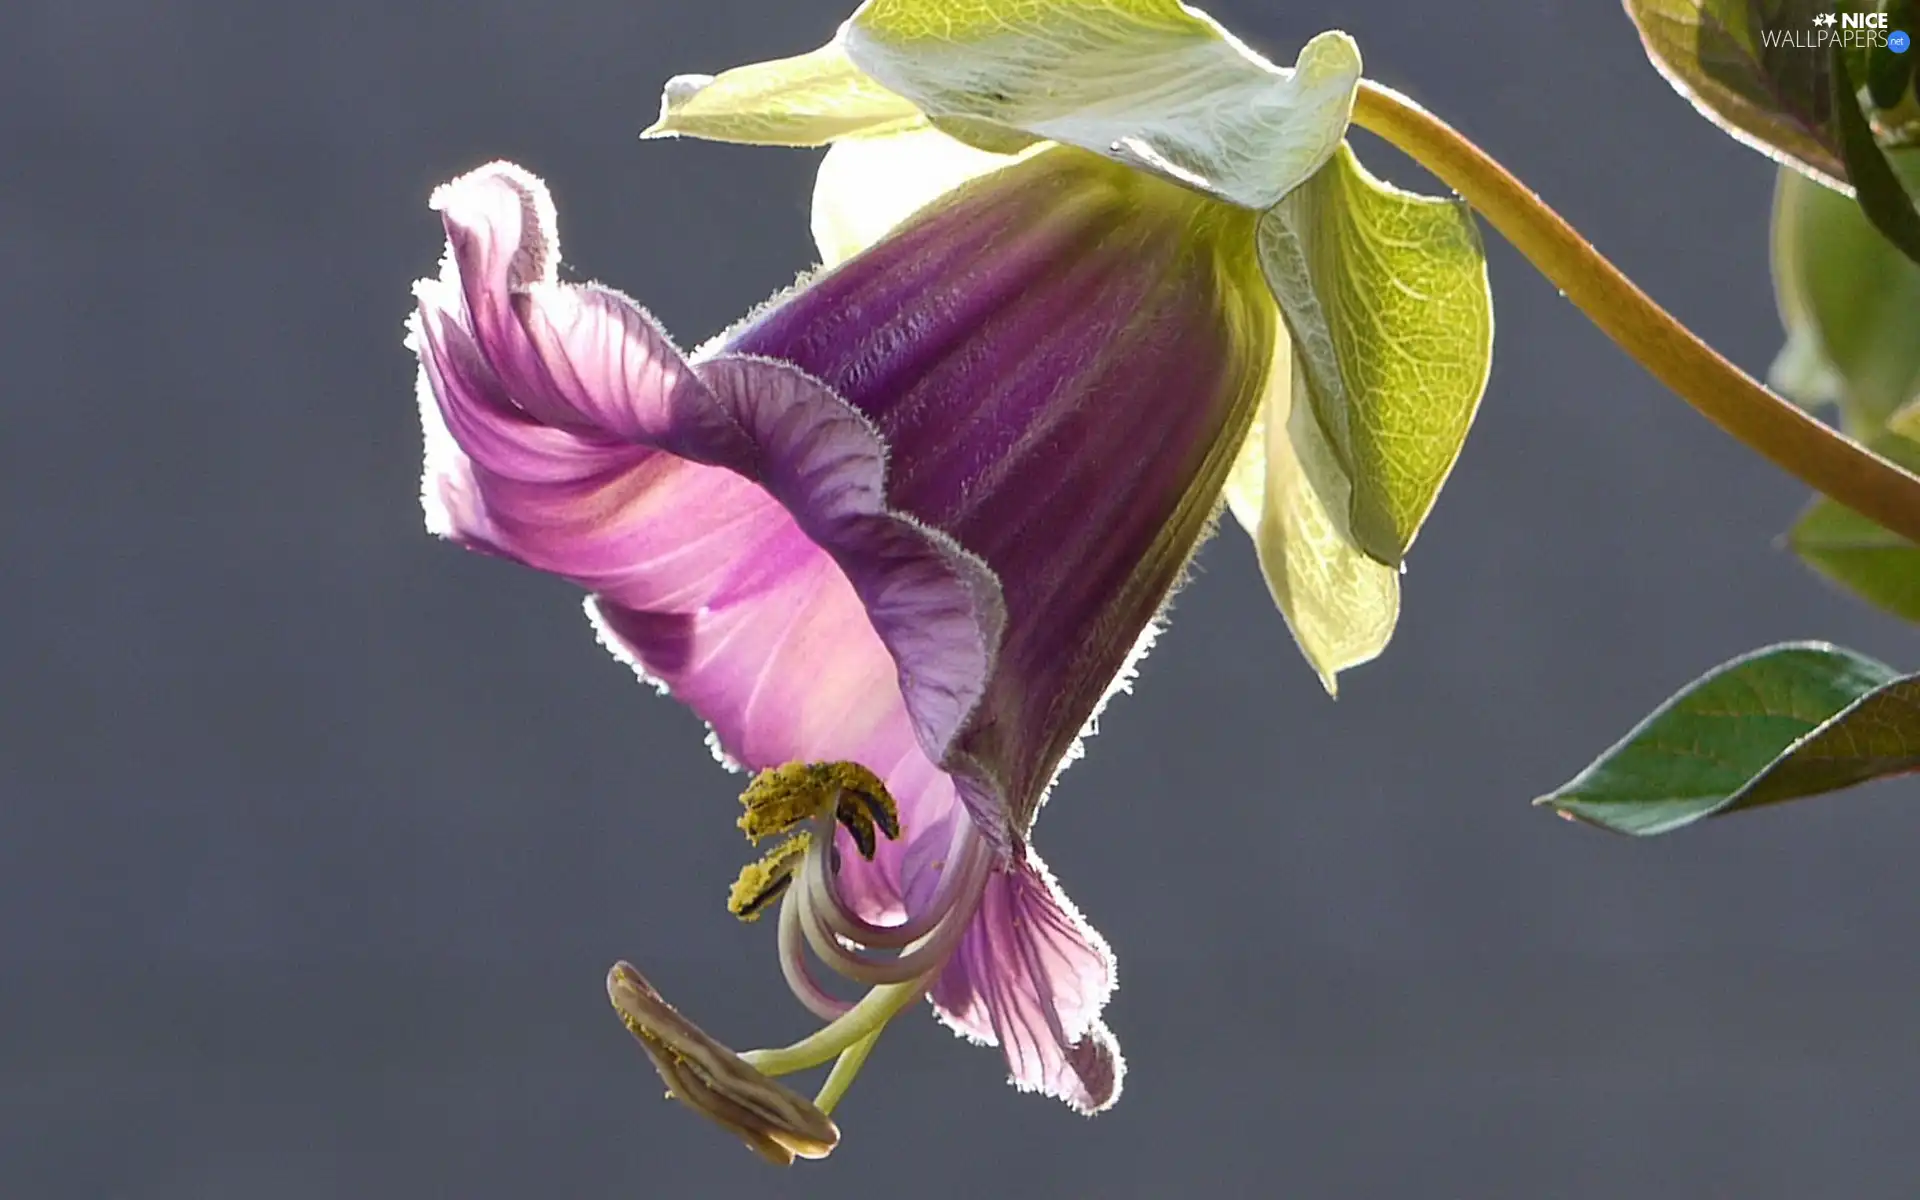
(874,804)
(781,798)
(858,824)
(761,883)
(864,806)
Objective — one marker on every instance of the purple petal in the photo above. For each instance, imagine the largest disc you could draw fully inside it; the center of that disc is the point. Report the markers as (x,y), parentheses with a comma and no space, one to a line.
(1062,377)
(1051,369)
(1062,370)
(731,521)
(1031,977)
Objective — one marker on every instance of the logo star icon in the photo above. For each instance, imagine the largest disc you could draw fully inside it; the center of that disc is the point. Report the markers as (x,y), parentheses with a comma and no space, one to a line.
(1825,19)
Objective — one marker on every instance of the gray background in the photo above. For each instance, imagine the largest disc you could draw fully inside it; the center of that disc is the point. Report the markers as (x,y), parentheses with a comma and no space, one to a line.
(316,836)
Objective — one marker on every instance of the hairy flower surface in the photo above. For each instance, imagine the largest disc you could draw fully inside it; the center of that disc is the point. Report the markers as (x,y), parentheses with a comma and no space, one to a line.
(898,534)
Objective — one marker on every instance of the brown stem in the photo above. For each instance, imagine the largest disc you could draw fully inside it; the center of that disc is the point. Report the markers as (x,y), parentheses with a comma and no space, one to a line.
(1805,448)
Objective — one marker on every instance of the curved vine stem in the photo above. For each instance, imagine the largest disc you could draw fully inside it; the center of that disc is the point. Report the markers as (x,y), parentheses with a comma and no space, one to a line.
(1804,447)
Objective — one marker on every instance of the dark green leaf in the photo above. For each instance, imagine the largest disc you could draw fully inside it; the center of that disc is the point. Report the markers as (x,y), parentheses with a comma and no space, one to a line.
(1893,80)
(1889,75)
(1762,71)
(1779,724)
(1875,185)
(1777,99)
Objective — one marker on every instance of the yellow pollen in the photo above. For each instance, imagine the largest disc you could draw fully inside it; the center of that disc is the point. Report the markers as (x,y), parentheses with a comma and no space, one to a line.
(763,882)
(782,797)
(778,799)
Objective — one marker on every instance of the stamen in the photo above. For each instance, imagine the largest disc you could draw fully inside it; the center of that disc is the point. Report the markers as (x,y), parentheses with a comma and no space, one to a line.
(782,797)
(860,827)
(777,800)
(828,907)
(919,958)
(774,1121)
(863,805)
(761,883)
(799,976)
(844,794)
(870,1015)
(880,810)
(880,1004)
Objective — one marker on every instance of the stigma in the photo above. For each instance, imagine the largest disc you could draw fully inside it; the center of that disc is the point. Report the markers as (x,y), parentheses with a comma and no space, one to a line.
(775,1122)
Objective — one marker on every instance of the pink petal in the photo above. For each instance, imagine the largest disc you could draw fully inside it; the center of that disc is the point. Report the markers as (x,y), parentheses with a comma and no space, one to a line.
(731,520)
(1031,976)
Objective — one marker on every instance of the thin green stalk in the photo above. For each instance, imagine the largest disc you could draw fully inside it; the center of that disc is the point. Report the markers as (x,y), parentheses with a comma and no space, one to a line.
(1805,448)
(844,1069)
(869,1016)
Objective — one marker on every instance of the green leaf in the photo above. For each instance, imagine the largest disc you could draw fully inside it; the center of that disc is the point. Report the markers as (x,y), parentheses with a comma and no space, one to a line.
(1150,83)
(1779,724)
(1385,293)
(1290,495)
(1777,99)
(1893,80)
(1849,301)
(1878,565)
(807,100)
(1890,75)
(1881,195)
(1765,73)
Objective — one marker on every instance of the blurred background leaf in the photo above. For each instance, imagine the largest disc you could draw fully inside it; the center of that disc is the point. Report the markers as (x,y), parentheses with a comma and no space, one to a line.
(1849,301)
(1850,304)
(1874,563)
